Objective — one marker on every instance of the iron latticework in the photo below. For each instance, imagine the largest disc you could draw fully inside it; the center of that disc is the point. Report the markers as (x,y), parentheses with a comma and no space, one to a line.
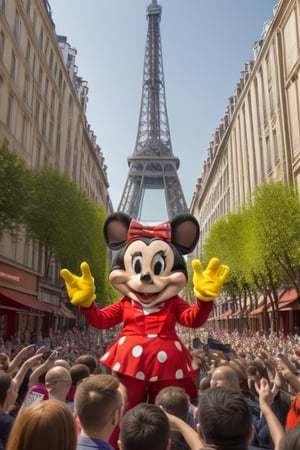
(153,165)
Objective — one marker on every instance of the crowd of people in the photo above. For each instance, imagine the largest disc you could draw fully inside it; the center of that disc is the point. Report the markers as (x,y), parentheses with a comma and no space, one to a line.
(248,397)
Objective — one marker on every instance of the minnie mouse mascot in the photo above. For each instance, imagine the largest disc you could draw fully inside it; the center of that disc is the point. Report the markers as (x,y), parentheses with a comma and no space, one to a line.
(149,271)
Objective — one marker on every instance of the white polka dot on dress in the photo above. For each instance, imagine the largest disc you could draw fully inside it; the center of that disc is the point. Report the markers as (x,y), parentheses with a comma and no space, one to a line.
(122,340)
(140,375)
(105,356)
(162,356)
(153,379)
(178,374)
(117,366)
(137,351)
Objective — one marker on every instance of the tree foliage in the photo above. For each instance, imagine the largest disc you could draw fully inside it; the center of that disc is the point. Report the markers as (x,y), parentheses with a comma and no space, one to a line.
(68,225)
(15,184)
(277,213)
(261,244)
(57,214)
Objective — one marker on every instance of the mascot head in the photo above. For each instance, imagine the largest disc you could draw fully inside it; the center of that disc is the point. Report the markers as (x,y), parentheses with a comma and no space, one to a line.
(149,266)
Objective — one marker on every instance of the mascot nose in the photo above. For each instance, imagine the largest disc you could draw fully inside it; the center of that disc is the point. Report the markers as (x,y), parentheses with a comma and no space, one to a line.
(146,276)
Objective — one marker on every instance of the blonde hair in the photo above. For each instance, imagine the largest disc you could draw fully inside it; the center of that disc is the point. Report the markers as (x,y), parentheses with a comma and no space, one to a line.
(49,425)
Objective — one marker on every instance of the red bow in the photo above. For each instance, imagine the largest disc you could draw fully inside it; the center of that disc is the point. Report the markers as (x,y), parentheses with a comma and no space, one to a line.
(136,230)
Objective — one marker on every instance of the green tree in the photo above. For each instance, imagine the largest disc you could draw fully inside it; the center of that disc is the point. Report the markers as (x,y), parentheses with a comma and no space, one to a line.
(15,184)
(261,246)
(66,223)
(277,214)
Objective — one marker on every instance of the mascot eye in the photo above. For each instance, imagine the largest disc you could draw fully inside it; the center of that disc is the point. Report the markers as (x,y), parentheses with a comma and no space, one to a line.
(137,265)
(159,263)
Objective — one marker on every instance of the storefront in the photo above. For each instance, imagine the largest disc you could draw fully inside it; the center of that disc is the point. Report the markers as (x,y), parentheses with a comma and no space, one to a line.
(21,313)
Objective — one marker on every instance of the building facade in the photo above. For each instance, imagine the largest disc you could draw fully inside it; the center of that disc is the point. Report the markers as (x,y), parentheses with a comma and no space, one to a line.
(258,138)
(43,120)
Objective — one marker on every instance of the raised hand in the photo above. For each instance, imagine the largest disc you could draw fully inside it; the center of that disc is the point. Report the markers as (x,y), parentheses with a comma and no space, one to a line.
(81,290)
(208,284)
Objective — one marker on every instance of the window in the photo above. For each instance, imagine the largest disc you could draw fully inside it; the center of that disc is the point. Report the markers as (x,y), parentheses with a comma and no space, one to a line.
(26,89)
(13,66)
(41,40)
(28,51)
(33,65)
(17,27)
(24,133)
(44,124)
(9,111)
(38,155)
(46,45)
(40,76)
(60,79)
(52,104)
(37,112)
(2,42)
(50,136)
(46,87)
(34,20)
(28,8)
(51,60)
(3,6)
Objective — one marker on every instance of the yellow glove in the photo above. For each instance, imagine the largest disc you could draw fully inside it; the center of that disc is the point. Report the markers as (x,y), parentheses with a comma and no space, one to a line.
(81,290)
(208,284)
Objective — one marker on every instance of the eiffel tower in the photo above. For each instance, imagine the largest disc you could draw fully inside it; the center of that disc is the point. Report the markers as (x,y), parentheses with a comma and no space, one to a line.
(152,166)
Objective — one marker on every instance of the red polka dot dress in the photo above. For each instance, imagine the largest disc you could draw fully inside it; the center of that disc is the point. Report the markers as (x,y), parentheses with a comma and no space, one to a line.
(148,347)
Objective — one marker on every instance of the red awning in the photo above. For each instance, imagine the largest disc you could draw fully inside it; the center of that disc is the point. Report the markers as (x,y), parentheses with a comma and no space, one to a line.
(29,301)
(289,296)
(289,305)
(67,312)
(224,315)
(257,311)
(63,311)
(57,310)
(287,301)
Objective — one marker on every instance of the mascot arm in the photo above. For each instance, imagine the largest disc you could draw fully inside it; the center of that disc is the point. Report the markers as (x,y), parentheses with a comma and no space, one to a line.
(104,318)
(208,284)
(81,290)
(192,316)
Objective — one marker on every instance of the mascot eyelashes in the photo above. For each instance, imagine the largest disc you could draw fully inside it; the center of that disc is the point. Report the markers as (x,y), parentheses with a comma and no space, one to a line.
(149,271)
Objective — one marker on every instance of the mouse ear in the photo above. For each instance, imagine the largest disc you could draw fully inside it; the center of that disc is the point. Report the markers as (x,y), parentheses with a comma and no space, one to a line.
(115,230)
(185,233)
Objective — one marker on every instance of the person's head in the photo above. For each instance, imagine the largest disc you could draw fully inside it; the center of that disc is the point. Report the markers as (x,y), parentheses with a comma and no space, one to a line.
(58,382)
(224,418)
(99,404)
(146,427)
(225,376)
(8,391)
(62,363)
(48,425)
(174,400)
(89,360)
(291,439)
(204,384)
(256,371)
(241,371)
(78,372)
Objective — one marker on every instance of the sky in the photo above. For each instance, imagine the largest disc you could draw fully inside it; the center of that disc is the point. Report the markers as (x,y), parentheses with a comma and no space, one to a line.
(205,46)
